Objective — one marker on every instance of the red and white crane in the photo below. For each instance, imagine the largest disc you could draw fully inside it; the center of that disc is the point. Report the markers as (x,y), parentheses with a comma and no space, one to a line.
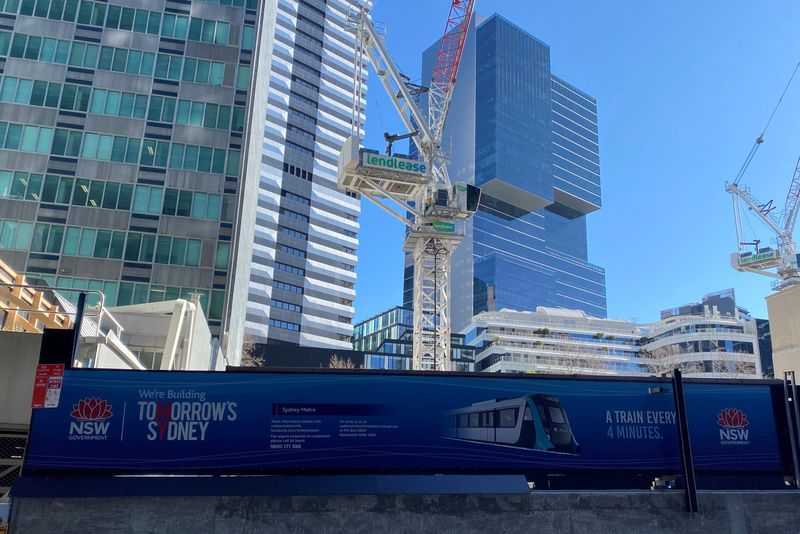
(417,192)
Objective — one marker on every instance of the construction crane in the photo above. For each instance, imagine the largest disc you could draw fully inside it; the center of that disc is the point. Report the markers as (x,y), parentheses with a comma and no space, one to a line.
(783,257)
(417,192)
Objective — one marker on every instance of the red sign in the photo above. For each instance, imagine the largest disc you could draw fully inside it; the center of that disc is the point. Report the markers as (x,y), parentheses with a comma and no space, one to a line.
(47,385)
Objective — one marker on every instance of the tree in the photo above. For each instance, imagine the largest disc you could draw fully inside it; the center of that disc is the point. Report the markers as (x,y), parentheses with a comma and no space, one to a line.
(736,368)
(659,363)
(339,363)
(569,357)
(578,358)
(251,352)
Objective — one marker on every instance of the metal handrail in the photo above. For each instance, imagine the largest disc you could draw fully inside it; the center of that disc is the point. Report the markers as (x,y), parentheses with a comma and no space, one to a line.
(49,288)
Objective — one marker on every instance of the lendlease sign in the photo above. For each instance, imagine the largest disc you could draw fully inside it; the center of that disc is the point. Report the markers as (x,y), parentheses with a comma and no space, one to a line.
(769,255)
(369,159)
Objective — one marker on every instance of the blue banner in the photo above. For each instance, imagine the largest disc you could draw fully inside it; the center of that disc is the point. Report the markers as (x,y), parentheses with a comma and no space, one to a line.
(130,421)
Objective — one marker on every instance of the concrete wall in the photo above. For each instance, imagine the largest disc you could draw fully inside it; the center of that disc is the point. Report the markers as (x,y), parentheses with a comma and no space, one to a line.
(106,358)
(19,354)
(784,324)
(541,512)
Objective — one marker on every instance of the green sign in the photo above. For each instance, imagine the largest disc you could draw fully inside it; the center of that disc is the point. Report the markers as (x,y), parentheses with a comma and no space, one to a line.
(757,257)
(369,159)
(444,226)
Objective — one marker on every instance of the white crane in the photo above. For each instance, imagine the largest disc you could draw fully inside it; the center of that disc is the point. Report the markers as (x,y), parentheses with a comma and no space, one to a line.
(784,255)
(423,197)
(783,258)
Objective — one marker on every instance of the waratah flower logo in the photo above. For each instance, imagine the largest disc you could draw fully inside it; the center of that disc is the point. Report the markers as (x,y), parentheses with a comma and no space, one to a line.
(91,409)
(732,418)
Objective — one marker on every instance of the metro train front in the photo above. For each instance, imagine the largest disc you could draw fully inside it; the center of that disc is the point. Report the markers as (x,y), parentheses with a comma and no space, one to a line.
(536,422)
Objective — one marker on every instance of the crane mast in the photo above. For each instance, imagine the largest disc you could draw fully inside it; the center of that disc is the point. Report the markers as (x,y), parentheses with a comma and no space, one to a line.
(418,193)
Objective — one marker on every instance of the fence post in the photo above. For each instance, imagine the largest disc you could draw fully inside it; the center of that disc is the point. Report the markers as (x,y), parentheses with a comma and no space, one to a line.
(689,484)
(790,391)
(77,328)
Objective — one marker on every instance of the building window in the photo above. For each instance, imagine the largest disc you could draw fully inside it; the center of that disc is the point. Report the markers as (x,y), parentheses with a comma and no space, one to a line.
(294,327)
(289,214)
(294,233)
(293,251)
(290,268)
(287,287)
(118,104)
(148,199)
(248,37)
(297,198)
(222,257)
(286,306)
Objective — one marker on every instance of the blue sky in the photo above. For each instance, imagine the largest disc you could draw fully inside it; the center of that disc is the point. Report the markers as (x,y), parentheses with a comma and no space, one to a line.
(683,89)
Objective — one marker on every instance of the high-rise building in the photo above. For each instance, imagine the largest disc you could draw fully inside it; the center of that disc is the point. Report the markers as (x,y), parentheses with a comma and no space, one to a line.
(123,126)
(302,281)
(529,140)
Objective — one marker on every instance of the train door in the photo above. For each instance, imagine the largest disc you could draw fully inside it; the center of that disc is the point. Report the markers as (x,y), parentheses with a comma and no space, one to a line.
(487,426)
(527,431)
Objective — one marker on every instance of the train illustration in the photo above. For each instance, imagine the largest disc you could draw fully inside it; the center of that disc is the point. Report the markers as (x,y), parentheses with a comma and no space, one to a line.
(535,422)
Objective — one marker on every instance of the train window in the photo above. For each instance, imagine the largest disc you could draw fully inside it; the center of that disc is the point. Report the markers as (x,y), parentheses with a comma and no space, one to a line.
(474,420)
(556,415)
(508,418)
(487,419)
(528,415)
(463,420)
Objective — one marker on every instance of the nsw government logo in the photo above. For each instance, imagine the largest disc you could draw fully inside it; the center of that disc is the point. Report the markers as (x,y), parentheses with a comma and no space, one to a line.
(733,427)
(90,416)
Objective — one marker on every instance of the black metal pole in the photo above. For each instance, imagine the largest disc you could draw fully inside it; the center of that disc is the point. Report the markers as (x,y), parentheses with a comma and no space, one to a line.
(689,484)
(76,337)
(793,422)
(796,423)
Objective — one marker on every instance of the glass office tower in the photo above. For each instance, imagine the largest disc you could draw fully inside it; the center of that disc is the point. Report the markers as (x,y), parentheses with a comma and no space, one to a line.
(122,127)
(529,140)
(302,281)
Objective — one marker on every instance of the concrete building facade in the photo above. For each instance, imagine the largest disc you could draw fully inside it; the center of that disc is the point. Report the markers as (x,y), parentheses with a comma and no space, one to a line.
(714,338)
(123,126)
(552,340)
(784,322)
(302,278)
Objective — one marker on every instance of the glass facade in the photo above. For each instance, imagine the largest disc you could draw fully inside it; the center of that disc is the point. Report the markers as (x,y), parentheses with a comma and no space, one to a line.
(386,340)
(532,145)
(121,134)
(536,133)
